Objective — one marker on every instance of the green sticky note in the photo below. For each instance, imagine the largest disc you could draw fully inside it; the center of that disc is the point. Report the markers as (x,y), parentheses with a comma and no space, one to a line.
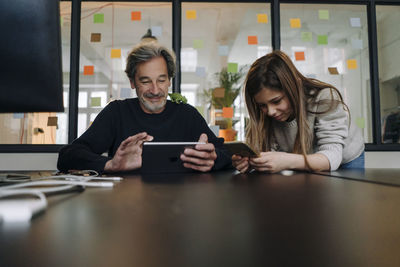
(306,36)
(233,67)
(61,21)
(360,122)
(200,109)
(322,39)
(95,102)
(98,18)
(198,44)
(323,14)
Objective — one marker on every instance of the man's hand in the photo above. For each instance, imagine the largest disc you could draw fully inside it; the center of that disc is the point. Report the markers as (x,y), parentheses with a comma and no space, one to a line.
(129,154)
(202,157)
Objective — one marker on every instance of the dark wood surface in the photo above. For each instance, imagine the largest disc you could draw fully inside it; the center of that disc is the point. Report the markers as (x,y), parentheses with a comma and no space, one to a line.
(216,219)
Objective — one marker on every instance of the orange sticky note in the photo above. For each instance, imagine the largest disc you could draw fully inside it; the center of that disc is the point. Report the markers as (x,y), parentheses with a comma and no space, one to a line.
(252,40)
(333,71)
(352,64)
(136,15)
(191,14)
(227,112)
(116,53)
(88,70)
(295,23)
(219,92)
(262,18)
(52,121)
(299,56)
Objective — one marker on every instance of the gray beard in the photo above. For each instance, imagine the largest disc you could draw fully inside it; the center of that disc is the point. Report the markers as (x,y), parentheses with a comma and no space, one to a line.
(152,107)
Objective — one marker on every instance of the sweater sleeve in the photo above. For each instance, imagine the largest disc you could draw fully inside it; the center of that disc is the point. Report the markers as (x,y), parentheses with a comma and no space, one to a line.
(85,152)
(331,129)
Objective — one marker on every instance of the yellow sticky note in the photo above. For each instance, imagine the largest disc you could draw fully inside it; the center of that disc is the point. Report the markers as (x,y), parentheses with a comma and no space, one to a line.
(295,23)
(352,64)
(116,53)
(262,18)
(191,14)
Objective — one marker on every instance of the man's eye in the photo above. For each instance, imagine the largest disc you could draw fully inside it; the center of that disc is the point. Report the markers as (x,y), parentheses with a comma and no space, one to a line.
(161,81)
(145,82)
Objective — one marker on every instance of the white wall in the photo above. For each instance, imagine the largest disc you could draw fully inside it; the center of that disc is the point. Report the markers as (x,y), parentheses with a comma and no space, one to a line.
(48,161)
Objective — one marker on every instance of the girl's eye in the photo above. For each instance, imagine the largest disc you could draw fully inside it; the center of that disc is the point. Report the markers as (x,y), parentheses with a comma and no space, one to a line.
(277,101)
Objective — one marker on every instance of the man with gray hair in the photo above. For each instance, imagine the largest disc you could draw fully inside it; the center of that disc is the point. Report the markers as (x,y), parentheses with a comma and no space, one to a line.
(123,125)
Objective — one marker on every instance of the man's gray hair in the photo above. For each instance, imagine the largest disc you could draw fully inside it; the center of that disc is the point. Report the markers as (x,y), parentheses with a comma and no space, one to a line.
(145,52)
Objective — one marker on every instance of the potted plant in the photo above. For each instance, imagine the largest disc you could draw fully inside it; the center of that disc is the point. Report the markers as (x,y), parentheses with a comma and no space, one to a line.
(222,98)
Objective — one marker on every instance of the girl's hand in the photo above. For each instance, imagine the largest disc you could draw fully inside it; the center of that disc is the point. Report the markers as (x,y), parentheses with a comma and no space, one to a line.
(240,163)
(271,162)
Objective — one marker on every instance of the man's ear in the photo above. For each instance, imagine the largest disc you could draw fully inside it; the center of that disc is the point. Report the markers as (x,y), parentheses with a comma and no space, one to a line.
(132,84)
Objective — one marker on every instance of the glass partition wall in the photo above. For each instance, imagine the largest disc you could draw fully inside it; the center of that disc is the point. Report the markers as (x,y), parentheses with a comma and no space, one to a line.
(346,44)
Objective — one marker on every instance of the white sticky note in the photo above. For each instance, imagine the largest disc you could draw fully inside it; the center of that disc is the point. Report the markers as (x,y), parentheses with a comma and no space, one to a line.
(156,31)
(18,115)
(223,50)
(355,22)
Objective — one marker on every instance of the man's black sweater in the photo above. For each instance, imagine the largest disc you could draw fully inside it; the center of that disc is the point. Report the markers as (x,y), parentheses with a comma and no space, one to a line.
(123,118)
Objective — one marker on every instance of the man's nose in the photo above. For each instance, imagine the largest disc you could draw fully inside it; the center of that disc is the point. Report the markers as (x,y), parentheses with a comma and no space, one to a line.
(154,88)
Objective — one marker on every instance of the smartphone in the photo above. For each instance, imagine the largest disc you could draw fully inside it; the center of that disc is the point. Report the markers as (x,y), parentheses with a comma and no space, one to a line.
(240,148)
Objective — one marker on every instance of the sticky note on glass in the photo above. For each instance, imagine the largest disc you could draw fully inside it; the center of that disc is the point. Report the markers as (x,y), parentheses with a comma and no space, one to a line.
(360,122)
(352,64)
(252,40)
(125,92)
(52,121)
(333,71)
(357,44)
(116,53)
(322,39)
(306,36)
(88,70)
(223,50)
(156,31)
(227,112)
(355,22)
(262,18)
(323,14)
(201,71)
(218,92)
(18,115)
(198,44)
(295,23)
(95,102)
(98,18)
(95,37)
(136,15)
(299,56)
(232,67)
(61,21)
(191,14)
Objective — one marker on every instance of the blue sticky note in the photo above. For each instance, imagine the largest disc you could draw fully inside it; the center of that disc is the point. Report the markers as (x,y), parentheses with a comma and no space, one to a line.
(223,50)
(156,31)
(125,93)
(18,115)
(355,22)
(357,44)
(201,71)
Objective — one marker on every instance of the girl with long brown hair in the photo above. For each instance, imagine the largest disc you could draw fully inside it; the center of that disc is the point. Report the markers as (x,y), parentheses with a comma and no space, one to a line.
(296,122)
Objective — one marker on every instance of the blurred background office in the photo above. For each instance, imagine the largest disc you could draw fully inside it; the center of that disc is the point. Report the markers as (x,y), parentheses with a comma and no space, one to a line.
(354,45)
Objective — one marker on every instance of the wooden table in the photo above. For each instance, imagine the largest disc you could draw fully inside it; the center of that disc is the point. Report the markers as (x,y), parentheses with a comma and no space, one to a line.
(214,219)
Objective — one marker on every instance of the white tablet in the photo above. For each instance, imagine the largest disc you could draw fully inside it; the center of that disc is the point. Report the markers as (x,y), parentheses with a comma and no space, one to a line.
(164,157)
